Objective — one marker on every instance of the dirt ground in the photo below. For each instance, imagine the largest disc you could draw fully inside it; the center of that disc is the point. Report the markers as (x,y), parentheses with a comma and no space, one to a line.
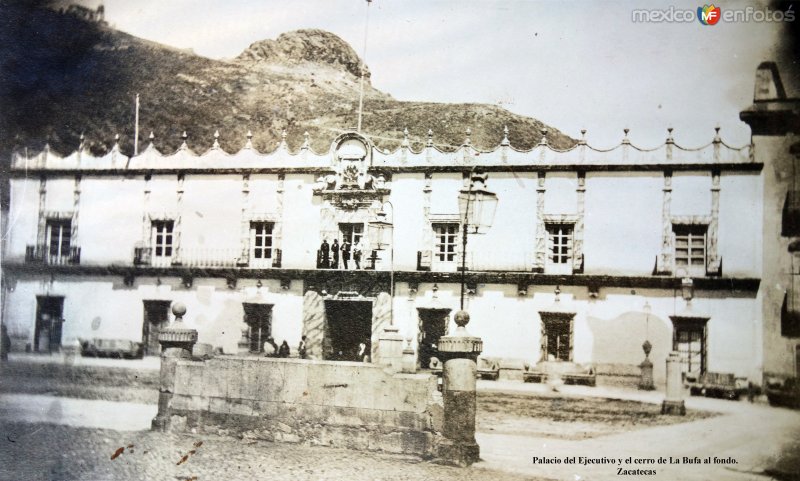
(569,417)
(48,452)
(544,415)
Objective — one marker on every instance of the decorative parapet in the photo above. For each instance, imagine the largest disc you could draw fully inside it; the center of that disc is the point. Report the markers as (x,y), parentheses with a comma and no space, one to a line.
(339,161)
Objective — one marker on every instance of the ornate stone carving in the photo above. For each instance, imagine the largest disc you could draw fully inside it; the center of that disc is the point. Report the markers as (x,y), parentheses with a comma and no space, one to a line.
(664,262)
(538,263)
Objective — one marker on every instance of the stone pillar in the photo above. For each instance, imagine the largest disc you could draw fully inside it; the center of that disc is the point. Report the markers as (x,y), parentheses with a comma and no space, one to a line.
(541,236)
(673,403)
(646,379)
(383,329)
(665,260)
(409,363)
(460,351)
(314,324)
(177,342)
(390,349)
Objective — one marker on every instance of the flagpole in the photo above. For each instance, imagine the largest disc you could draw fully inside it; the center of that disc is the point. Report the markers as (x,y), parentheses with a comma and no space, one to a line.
(136,129)
(363,66)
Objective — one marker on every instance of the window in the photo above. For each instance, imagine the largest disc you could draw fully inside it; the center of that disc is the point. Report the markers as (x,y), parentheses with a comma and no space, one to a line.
(445,241)
(556,337)
(261,242)
(559,248)
(162,239)
(690,248)
(351,233)
(690,342)
(59,238)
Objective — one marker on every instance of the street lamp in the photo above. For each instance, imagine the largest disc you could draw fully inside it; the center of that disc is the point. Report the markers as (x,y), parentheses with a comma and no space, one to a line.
(476,207)
(381,235)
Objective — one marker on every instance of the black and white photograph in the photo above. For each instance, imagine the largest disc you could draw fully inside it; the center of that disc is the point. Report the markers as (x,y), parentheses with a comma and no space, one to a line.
(384,240)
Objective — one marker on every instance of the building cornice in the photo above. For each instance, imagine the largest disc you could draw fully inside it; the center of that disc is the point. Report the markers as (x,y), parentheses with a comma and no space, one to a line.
(737,167)
(624,156)
(323,276)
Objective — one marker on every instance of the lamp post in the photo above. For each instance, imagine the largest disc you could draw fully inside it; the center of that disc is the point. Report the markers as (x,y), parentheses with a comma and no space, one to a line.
(390,342)
(476,207)
(646,379)
(381,235)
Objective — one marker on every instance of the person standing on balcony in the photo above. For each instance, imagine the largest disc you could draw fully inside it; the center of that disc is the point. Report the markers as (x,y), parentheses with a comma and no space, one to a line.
(325,254)
(335,254)
(357,250)
(345,253)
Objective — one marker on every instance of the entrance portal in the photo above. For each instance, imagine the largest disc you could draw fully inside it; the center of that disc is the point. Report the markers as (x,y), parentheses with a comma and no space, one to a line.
(49,317)
(258,318)
(432,326)
(156,318)
(349,324)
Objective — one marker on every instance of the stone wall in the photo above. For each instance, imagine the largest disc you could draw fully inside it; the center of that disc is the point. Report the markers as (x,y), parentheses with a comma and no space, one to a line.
(341,404)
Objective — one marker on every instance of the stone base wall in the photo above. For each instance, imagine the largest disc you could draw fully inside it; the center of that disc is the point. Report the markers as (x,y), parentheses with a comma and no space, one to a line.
(341,404)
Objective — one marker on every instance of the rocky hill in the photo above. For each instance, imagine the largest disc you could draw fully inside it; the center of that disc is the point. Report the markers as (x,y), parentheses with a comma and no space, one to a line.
(61,76)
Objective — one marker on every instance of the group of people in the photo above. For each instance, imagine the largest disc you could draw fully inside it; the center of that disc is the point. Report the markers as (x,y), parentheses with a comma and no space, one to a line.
(329,254)
(271,349)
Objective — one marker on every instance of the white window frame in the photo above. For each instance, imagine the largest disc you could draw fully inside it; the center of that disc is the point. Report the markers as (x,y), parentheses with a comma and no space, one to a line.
(162,242)
(691,249)
(446,260)
(264,260)
(356,231)
(561,262)
(63,242)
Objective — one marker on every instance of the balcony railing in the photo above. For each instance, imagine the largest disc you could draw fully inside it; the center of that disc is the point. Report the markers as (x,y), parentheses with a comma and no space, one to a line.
(205,258)
(428,260)
(41,254)
(142,255)
(210,257)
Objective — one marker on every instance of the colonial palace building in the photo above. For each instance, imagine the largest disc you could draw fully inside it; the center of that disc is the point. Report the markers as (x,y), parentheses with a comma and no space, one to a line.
(590,253)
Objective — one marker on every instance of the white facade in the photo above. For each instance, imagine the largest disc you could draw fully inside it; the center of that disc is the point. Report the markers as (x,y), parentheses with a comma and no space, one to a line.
(615,231)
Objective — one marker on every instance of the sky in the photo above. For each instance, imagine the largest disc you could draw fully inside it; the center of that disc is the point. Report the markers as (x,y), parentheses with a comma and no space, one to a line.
(582,65)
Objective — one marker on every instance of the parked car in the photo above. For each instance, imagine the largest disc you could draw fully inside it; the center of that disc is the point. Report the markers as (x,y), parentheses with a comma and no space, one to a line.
(784,393)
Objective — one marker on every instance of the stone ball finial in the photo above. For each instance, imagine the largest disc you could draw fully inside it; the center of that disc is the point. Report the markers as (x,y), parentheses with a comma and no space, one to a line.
(178,309)
(462,318)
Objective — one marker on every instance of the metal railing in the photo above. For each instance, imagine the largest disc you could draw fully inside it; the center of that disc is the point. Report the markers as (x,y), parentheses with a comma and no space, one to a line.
(41,254)
(205,257)
(211,257)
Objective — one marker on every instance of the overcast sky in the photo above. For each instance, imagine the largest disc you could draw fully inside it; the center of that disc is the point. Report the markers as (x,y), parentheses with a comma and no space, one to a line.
(573,66)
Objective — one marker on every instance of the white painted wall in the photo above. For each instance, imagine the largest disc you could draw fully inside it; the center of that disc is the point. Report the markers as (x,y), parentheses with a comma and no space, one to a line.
(691,193)
(60,194)
(211,223)
(107,232)
(560,196)
(444,192)
(23,219)
(623,222)
(740,221)
(407,200)
(301,222)
(622,216)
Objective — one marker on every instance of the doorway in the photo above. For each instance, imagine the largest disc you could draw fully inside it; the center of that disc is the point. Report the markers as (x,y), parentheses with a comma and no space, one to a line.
(258,318)
(432,326)
(156,318)
(349,325)
(49,320)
